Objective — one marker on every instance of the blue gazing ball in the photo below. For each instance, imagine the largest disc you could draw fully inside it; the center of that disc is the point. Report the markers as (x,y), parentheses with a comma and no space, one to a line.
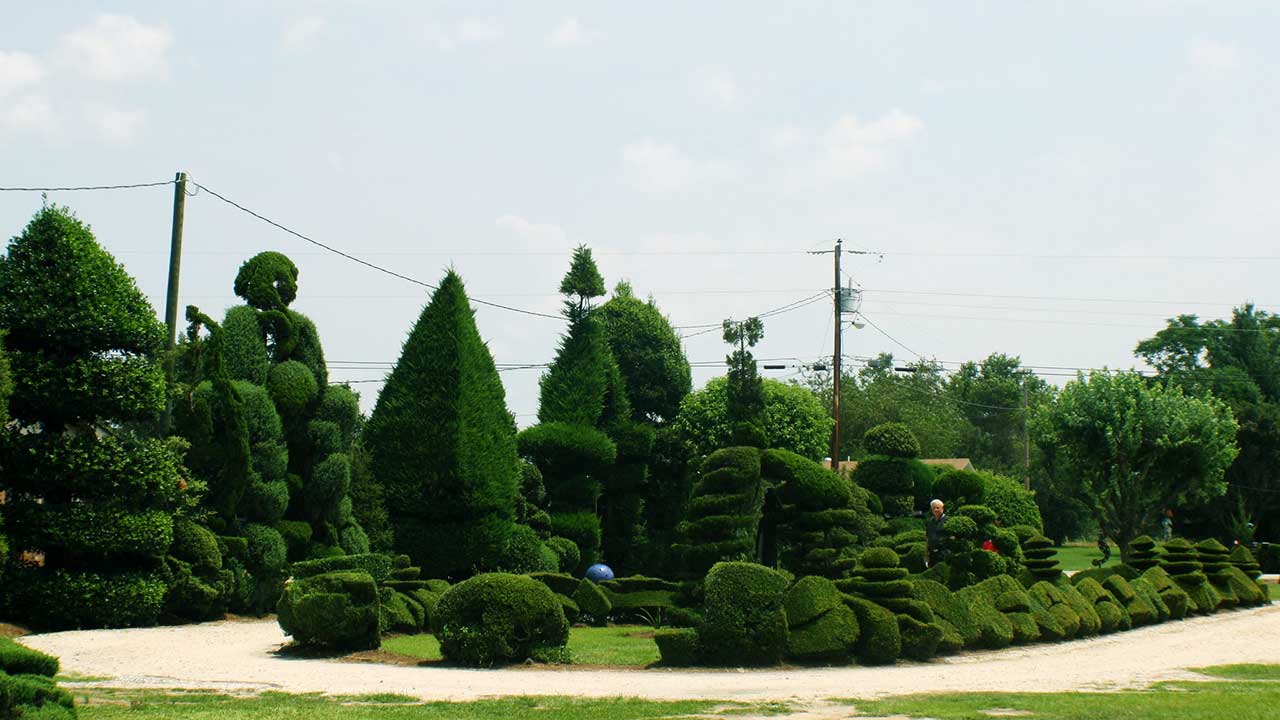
(599,572)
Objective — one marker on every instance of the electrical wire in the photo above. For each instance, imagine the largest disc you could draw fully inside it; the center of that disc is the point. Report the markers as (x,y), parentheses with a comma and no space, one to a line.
(366,263)
(87,187)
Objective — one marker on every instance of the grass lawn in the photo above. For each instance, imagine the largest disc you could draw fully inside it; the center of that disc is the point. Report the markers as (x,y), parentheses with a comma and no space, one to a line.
(1080,556)
(1256,698)
(157,705)
(625,645)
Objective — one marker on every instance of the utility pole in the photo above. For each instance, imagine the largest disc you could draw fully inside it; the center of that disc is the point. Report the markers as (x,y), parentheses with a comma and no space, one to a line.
(171,298)
(1026,439)
(835,366)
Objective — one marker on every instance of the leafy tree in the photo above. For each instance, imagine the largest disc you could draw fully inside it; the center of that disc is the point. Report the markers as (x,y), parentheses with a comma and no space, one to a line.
(443,446)
(744,390)
(1237,361)
(1135,449)
(581,284)
(794,419)
(990,395)
(95,499)
(877,394)
(649,355)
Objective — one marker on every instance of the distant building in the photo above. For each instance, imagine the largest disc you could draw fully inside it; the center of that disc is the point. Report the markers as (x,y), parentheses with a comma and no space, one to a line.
(848,466)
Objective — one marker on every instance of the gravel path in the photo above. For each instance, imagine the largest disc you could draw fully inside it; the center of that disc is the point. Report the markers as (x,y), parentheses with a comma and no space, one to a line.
(241,656)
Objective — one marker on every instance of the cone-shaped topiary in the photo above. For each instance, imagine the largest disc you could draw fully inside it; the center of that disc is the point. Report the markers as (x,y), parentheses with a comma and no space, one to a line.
(1245,562)
(1182,563)
(1041,558)
(725,510)
(1143,553)
(1215,560)
(878,578)
(443,444)
(84,346)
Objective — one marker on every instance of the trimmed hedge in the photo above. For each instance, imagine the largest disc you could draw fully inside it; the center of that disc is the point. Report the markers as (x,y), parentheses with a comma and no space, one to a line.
(1041,558)
(948,607)
(1173,596)
(678,647)
(1182,562)
(49,599)
(34,697)
(338,609)
(1050,599)
(498,618)
(18,659)
(879,640)
(729,530)
(810,598)
(567,554)
(831,637)
(1244,560)
(1143,553)
(745,623)
(592,602)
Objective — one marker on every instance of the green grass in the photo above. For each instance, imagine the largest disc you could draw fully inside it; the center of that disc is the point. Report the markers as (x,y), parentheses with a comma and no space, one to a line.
(156,705)
(615,646)
(1242,672)
(1238,700)
(1081,556)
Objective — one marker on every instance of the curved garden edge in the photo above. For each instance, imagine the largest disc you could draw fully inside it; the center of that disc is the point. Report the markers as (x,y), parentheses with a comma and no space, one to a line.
(240,655)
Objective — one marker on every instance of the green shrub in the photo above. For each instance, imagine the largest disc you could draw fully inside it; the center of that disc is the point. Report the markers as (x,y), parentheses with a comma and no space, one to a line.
(34,697)
(267,281)
(1148,592)
(1090,623)
(708,536)
(18,659)
(525,552)
(892,439)
(1066,622)
(1173,596)
(60,598)
(297,538)
(583,529)
(919,639)
(639,583)
(980,514)
(292,386)
(879,640)
(567,554)
(592,602)
(947,606)
(995,630)
(1142,553)
(395,614)
(745,622)
(244,351)
(809,599)
(561,583)
(337,609)
(958,486)
(498,618)
(1012,503)
(677,646)
(1245,589)
(830,637)
(1109,610)
(377,565)
(951,642)
(1041,558)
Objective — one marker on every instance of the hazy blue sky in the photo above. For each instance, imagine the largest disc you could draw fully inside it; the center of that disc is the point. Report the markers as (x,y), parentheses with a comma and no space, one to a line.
(1048,180)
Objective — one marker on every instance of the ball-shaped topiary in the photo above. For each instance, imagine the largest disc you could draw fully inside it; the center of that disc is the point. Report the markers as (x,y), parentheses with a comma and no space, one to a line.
(498,618)
(567,554)
(267,281)
(292,386)
(745,622)
(892,439)
(337,609)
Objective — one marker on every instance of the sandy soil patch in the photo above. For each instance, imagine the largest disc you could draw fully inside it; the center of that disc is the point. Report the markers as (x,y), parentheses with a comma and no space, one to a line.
(241,656)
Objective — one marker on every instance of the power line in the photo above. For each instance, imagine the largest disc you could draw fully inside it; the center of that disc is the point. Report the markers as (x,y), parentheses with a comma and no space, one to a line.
(366,263)
(87,187)
(895,340)
(1133,301)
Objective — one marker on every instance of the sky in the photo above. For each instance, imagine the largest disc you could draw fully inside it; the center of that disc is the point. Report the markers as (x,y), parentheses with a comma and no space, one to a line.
(1048,180)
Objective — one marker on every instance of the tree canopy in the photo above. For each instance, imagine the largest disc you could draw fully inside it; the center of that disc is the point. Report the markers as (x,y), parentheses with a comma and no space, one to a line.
(1135,449)
(649,355)
(794,419)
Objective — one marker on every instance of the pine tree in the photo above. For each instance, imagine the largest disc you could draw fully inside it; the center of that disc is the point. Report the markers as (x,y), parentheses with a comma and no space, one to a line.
(443,446)
(89,505)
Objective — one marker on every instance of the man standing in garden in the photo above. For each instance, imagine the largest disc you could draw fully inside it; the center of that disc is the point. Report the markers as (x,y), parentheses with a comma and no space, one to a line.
(933,532)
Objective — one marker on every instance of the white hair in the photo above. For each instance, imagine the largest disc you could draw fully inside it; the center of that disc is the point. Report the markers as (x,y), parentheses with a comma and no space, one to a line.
(935,501)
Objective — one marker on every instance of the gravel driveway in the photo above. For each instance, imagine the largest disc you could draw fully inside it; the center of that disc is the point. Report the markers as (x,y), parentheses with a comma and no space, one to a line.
(240,655)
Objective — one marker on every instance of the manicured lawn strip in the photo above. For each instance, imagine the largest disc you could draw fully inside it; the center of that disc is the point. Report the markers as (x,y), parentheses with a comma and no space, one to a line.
(1248,671)
(1181,700)
(146,705)
(617,646)
(1081,557)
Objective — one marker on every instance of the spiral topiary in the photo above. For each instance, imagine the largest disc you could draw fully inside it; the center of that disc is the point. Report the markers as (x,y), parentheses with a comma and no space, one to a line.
(1041,558)
(1182,563)
(1143,553)
(1215,559)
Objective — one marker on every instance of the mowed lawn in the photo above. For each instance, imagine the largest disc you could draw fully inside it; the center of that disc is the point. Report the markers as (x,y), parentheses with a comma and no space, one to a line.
(1080,556)
(624,645)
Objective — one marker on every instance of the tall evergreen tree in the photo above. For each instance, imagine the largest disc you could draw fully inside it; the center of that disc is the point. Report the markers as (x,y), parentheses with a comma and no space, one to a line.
(93,500)
(745,388)
(443,447)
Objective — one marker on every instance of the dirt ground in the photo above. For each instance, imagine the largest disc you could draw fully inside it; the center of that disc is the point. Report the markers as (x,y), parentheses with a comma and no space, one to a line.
(241,655)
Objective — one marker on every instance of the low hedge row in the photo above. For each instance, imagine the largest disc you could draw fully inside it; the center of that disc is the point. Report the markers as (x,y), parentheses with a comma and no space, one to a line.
(27,687)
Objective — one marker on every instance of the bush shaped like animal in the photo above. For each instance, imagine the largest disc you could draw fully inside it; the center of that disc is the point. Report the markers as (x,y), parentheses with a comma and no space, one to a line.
(820,627)
(339,610)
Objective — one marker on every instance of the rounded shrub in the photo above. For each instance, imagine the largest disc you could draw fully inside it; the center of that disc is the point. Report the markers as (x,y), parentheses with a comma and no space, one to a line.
(955,486)
(879,640)
(338,609)
(745,623)
(498,618)
(267,281)
(196,545)
(592,601)
(566,551)
(1012,503)
(292,386)
(810,598)
(678,647)
(892,439)
(830,638)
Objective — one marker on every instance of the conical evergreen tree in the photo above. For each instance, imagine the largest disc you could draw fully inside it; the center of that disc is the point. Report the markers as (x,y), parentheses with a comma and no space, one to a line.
(443,447)
(95,501)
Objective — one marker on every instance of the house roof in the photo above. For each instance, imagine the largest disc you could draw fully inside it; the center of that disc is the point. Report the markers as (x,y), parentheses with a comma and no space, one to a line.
(847,466)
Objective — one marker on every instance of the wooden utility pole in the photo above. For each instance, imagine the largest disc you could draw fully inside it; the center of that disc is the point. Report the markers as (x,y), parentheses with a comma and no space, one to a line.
(1026,439)
(171,298)
(835,367)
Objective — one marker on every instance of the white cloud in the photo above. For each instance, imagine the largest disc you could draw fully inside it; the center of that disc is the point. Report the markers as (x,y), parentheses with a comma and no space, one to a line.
(787,137)
(470,31)
(28,114)
(657,166)
(568,32)
(718,85)
(536,234)
(119,126)
(851,147)
(298,33)
(18,70)
(1213,56)
(116,48)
